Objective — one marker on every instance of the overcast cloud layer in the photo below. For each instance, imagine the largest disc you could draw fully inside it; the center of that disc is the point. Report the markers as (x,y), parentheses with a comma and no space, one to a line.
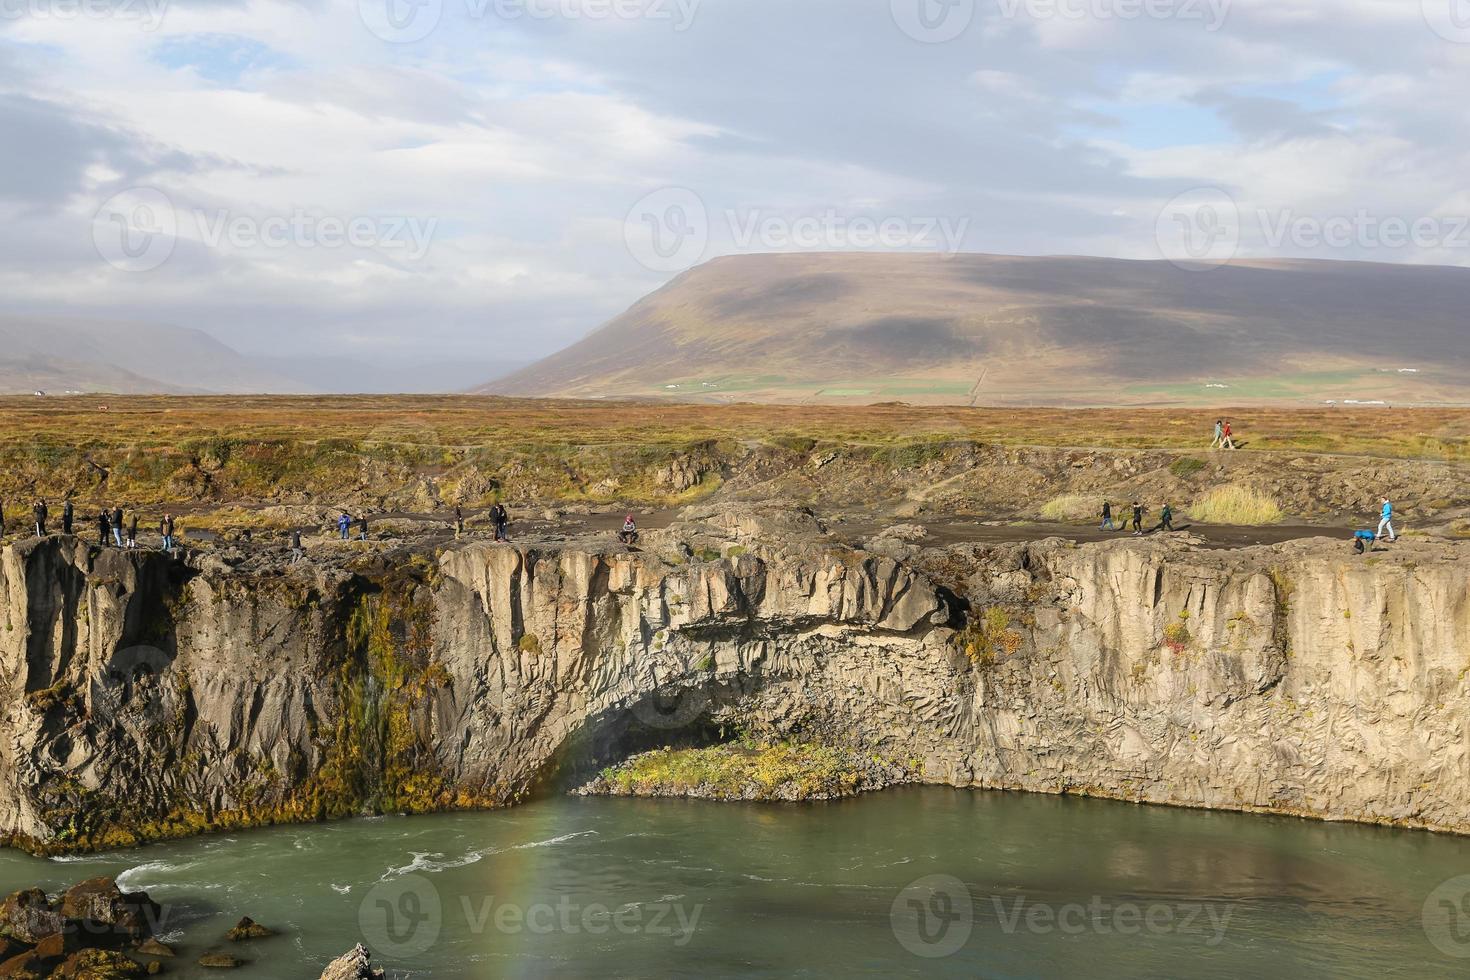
(493,178)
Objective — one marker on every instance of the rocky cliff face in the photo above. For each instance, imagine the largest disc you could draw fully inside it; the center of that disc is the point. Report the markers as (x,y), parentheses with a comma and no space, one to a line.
(145,697)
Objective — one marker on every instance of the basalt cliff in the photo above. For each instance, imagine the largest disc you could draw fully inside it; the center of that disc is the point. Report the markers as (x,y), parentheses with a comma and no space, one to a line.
(147,696)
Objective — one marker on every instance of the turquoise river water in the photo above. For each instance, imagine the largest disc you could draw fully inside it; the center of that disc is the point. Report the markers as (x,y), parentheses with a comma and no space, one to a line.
(915,882)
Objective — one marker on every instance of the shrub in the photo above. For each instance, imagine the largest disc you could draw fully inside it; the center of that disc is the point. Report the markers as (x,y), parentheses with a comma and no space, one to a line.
(986,637)
(1177,635)
(1236,505)
(1186,467)
(529,643)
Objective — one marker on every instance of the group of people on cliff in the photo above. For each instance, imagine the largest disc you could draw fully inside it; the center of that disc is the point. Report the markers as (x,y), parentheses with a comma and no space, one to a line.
(112,524)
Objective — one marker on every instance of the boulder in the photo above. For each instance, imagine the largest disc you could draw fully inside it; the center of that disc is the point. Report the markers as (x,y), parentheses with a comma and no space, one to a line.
(247,928)
(152,947)
(99,964)
(27,916)
(220,961)
(30,965)
(107,915)
(356,964)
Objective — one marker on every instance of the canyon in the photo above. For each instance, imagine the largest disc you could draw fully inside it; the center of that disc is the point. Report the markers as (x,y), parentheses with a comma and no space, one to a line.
(149,696)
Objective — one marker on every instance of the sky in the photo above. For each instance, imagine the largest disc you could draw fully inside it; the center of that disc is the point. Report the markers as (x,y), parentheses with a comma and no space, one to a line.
(410,180)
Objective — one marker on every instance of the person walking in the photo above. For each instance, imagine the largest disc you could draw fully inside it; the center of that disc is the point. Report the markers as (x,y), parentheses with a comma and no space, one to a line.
(117,527)
(458,521)
(39,513)
(1107,516)
(132,544)
(1137,518)
(103,526)
(1166,520)
(166,531)
(344,525)
(68,515)
(297,552)
(500,518)
(1385,522)
(1219,434)
(1227,437)
(362,527)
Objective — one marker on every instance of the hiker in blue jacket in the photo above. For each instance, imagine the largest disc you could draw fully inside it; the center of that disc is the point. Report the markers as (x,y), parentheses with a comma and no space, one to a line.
(1363,540)
(344,525)
(1386,524)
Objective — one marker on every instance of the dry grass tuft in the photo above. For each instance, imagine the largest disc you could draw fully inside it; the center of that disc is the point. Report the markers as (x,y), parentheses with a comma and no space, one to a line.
(1243,506)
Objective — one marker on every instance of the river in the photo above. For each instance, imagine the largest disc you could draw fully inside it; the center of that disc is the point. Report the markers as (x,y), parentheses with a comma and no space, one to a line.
(914,882)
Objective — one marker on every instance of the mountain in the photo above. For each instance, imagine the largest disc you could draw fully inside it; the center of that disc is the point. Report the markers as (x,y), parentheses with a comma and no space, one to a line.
(58,354)
(991,329)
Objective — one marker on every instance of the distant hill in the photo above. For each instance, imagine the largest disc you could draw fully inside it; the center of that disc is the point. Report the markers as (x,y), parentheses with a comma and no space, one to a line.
(59,354)
(997,330)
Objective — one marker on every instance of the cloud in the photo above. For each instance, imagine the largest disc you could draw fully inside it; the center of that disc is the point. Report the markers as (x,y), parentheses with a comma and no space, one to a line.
(523,131)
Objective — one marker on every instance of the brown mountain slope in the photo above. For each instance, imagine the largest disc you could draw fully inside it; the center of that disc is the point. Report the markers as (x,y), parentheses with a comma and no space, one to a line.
(1007,330)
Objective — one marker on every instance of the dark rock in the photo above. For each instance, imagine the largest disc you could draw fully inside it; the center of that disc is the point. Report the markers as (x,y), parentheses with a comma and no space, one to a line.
(29,965)
(27,916)
(357,964)
(152,947)
(247,928)
(220,961)
(98,964)
(109,916)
